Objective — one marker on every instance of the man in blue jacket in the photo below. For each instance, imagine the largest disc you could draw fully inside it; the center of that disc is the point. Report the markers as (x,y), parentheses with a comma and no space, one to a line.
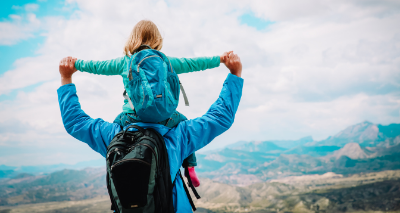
(181,141)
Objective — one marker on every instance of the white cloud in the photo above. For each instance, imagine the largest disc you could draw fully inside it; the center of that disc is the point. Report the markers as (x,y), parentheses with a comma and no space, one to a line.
(31,7)
(322,66)
(20,27)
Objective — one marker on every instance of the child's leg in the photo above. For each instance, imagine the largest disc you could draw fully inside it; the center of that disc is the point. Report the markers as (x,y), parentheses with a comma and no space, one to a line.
(190,161)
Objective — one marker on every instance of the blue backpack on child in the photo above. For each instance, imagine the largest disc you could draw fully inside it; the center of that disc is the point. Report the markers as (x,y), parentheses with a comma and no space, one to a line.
(153,86)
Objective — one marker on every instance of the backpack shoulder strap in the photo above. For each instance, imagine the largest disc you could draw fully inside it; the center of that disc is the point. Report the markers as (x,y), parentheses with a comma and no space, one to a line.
(184,94)
(165,184)
(191,184)
(187,192)
(113,205)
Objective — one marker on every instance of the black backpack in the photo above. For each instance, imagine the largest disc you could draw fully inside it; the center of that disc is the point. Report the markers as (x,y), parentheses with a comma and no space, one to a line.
(138,173)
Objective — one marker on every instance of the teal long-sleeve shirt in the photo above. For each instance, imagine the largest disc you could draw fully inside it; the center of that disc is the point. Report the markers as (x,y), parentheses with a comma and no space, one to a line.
(119,66)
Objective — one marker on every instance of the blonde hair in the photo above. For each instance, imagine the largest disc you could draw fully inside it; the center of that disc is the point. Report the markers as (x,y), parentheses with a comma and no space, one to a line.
(144,32)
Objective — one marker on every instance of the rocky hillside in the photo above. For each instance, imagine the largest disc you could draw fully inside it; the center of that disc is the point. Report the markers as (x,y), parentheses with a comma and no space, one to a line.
(65,185)
(312,193)
(353,151)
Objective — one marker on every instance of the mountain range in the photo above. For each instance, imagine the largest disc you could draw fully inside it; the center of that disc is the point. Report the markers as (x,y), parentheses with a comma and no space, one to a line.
(364,147)
(13,171)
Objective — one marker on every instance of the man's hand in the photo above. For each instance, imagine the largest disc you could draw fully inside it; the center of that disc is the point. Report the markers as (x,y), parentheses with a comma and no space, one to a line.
(224,57)
(234,65)
(67,68)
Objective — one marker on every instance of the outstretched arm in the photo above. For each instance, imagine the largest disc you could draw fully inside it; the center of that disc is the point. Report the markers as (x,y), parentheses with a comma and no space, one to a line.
(97,133)
(109,67)
(186,65)
(198,132)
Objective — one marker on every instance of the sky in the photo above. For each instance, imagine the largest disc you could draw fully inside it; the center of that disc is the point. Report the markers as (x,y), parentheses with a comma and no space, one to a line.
(310,68)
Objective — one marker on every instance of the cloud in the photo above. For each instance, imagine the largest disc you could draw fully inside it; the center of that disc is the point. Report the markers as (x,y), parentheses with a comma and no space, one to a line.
(31,7)
(21,26)
(323,11)
(322,66)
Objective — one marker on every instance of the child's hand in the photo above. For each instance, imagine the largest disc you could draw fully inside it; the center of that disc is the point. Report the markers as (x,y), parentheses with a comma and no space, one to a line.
(224,56)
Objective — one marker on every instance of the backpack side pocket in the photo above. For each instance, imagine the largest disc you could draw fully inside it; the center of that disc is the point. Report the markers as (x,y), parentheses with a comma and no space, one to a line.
(136,92)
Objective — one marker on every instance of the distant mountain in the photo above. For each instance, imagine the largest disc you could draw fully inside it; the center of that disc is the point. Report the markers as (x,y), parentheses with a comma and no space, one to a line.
(258,146)
(289,144)
(11,171)
(267,146)
(353,151)
(365,134)
(7,173)
(4,167)
(389,131)
(315,151)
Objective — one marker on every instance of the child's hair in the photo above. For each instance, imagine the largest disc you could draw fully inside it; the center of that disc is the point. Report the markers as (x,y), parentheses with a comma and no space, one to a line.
(144,32)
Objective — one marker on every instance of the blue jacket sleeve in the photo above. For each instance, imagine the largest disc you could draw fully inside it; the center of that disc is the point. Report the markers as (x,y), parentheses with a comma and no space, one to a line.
(97,133)
(194,134)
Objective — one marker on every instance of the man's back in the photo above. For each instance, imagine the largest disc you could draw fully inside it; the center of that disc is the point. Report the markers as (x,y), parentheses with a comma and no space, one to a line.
(188,137)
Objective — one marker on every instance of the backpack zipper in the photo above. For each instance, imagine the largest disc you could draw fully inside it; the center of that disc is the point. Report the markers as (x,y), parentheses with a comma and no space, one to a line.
(112,151)
(154,56)
(130,69)
(131,148)
(145,59)
(138,70)
(129,160)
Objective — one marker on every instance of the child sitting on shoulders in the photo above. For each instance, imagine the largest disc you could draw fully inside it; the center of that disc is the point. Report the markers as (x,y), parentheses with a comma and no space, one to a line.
(144,35)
